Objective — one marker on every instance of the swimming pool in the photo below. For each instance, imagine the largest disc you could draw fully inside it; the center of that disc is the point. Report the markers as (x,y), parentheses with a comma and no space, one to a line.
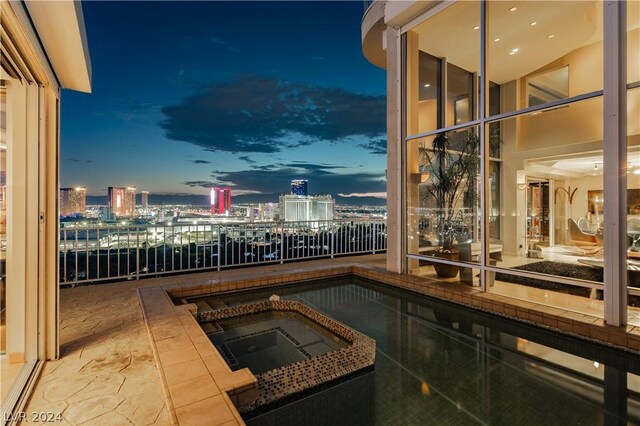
(437,363)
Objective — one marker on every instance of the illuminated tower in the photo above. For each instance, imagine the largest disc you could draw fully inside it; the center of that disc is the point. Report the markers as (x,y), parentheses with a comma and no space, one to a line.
(121,201)
(220,200)
(299,187)
(115,201)
(73,201)
(130,201)
(145,200)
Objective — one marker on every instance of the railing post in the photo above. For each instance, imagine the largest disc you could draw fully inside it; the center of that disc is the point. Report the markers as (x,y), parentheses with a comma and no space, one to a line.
(281,243)
(219,253)
(374,236)
(332,237)
(137,253)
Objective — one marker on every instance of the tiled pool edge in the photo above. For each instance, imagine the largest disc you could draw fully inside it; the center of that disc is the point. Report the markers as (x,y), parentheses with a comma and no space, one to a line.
(578,325)
(177,340)
(195,380)
(565,322)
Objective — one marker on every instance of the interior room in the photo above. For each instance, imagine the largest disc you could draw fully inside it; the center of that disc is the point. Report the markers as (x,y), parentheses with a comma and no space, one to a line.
(545,165)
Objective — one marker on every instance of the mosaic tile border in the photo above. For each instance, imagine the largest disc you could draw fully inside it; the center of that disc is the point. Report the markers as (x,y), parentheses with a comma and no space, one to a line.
(284,383)
(583,326)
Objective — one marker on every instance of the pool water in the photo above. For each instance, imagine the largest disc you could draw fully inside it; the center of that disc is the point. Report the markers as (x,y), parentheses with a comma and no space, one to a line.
(437,363)
(269,340)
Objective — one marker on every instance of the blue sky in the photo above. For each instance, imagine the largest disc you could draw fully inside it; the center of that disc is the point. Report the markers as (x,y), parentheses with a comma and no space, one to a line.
(246,94)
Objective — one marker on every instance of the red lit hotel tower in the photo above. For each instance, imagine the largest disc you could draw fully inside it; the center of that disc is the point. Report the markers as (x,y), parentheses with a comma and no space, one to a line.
(220,200)
(121,201)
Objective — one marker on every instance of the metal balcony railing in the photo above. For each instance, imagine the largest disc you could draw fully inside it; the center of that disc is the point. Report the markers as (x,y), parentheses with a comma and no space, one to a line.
(94,254)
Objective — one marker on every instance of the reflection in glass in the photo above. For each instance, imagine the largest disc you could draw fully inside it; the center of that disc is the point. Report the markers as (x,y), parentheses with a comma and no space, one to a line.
(437,363)
(3,218)
(633,201)
(9,371)
(633,42)
(548,86)
(447,43)
(460,99)
(444,195)
(551,180)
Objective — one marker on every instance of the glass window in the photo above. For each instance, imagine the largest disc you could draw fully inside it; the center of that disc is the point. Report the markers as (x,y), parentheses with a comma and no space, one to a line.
(11,365)
(548,86)
(443,196)
(449,43)
(633,204)
(551,203)
(539,52)
(633,43)
(3,219)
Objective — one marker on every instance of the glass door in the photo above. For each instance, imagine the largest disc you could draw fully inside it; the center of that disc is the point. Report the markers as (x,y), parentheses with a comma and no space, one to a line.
(537,216)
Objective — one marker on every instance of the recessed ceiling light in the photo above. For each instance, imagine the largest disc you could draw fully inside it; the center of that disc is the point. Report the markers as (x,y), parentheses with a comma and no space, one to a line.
(513,9)
(427,85)
(516,50)
(512,53)
(477,27)
(496,39)
(533,23)
(550,36)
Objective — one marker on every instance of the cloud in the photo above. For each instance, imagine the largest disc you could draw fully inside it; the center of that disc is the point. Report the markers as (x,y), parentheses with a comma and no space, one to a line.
(201,162)
(75,160)
(265,115)
(376,146)
(365,194)
(199,183)
(276,178)
(246,159)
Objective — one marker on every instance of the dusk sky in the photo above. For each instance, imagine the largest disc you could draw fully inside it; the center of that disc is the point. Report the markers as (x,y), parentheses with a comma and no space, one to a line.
(187,95)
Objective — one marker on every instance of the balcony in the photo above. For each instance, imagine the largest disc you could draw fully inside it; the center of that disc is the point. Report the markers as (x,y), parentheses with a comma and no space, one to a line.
(372,28)
(111,355)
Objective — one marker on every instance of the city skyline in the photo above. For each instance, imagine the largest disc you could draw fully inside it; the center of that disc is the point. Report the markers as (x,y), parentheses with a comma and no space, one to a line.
(271,101)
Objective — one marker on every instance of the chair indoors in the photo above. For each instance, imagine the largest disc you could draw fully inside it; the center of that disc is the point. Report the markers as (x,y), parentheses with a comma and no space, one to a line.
(580,238)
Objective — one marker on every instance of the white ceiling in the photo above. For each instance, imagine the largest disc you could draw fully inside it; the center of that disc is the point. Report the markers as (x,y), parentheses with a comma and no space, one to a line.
(450,34)
(577,165)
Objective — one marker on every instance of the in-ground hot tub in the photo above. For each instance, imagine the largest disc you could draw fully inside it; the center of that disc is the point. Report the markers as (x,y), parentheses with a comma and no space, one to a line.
(292,349)
(270,340)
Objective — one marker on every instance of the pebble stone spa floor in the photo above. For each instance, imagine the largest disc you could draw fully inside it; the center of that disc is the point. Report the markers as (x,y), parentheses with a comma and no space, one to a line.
(107,375)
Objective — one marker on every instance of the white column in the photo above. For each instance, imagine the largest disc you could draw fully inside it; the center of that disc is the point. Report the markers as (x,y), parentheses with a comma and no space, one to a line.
(615,163)
(394,152)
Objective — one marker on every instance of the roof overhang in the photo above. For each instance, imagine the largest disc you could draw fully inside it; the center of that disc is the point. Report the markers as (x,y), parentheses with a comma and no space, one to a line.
(60,27)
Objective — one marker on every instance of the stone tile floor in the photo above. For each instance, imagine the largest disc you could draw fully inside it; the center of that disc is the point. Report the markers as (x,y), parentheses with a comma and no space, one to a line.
(106,374)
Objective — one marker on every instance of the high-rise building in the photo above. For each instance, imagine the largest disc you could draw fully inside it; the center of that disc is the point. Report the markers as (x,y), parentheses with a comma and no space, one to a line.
(130,201)
(121,201)
(145,200)
(220,200)
(299,187)
(73,201)
(296,208)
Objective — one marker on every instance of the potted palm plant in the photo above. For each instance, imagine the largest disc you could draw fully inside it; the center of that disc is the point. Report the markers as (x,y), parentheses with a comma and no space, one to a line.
(453,164)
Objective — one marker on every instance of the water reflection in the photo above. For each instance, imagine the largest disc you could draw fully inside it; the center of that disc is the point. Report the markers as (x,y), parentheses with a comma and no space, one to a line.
(439,364)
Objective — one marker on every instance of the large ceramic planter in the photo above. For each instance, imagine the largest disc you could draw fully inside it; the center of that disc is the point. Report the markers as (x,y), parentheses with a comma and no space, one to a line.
(442,269)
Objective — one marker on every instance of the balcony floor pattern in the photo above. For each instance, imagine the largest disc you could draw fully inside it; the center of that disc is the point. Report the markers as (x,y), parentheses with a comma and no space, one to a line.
(106,373)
